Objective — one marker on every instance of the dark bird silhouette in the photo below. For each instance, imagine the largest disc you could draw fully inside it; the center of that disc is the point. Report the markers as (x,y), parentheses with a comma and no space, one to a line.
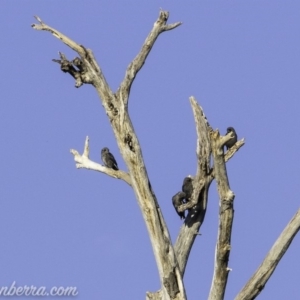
(231,142)
(177,201)
(108,159)
(187,188)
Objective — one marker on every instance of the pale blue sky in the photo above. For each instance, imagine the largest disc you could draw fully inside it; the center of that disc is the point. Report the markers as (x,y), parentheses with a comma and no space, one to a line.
(61,226)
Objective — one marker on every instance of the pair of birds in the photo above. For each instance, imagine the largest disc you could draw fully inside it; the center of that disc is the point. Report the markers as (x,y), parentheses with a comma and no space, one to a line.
(184,196)
(187,186)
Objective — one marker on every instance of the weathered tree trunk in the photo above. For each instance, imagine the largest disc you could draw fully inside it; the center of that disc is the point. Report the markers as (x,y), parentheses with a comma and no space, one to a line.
(171,262)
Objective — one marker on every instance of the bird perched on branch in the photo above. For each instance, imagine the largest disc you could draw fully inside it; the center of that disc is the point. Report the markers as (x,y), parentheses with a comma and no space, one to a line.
(187,188)
(108,159)
(231,142)
(177,201)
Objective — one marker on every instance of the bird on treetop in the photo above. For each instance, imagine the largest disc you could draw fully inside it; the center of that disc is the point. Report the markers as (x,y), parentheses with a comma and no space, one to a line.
(232,141)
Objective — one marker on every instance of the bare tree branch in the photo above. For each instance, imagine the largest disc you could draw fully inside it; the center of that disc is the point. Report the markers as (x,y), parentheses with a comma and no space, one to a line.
(83,162)
(258,281)
(223,246)
(201,183)
(203,151)
(234,149)
(91,66)
(195,217)
(116,109)
(134,67)
(189,230)
(80,76)
(73,45)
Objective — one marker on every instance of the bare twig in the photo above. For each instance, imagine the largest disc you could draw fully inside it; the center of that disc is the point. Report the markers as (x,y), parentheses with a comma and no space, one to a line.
(258,281)
(42,26)
(234,149)
(83,162)
(223,246)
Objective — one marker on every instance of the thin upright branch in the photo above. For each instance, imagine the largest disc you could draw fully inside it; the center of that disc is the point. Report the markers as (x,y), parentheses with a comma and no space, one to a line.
(223,246)
(258,281)
(134,67)
(84,162)
(203,151)
(201,183)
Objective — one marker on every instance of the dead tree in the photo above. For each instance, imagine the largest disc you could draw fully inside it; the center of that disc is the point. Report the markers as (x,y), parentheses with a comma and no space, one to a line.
(171,260)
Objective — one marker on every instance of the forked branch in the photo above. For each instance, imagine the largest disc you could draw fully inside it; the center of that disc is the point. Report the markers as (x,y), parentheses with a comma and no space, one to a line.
(189,230)
(83,162)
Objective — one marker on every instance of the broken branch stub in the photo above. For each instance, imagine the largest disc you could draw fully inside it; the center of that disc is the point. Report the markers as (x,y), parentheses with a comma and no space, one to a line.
(76,68)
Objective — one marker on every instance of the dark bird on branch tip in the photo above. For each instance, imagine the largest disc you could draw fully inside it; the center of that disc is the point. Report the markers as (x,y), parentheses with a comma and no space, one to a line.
(108,159)
(177,201)
(187,188)
(231,142)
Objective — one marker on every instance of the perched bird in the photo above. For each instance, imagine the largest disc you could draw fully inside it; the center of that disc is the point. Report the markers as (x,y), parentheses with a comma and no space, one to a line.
(231,142)
(108,159)
(177,201)
(187,187)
